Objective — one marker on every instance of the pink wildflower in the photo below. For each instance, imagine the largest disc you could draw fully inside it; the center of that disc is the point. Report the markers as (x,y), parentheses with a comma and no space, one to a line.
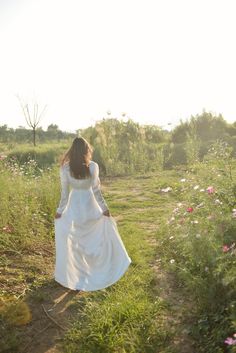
(210,190)
(230,341)
(190,209)
(225,248)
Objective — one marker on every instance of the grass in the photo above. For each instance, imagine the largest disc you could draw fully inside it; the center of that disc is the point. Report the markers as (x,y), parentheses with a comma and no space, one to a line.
(153,306)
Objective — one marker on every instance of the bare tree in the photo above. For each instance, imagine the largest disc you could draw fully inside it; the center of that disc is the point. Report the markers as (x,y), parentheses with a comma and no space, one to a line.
(32,117)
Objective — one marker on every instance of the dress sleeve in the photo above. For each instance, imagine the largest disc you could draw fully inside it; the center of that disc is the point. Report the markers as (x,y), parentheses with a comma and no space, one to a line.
(64,190)
(96,186)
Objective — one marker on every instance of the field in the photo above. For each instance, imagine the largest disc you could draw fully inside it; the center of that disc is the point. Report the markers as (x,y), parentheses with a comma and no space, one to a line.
(178,295)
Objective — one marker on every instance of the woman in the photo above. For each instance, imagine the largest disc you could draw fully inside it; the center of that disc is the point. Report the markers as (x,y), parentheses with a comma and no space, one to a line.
(90,254)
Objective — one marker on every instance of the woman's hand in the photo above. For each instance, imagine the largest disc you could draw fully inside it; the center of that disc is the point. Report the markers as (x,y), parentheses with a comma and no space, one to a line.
(57,215)
(107,213)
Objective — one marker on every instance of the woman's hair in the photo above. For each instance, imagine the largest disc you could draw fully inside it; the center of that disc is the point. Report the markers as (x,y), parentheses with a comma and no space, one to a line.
(78,156)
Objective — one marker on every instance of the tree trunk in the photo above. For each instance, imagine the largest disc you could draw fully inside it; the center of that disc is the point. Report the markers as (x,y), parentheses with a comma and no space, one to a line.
(34,136)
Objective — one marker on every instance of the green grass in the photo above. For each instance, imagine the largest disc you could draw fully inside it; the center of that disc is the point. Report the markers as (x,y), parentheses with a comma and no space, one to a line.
(156,300)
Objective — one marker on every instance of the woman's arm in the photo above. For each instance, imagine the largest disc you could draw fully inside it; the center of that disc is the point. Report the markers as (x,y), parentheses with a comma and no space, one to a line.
(96,186)
(64,192)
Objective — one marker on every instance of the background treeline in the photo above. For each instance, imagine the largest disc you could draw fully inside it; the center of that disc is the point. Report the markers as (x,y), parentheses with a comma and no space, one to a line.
(24,135)
(122,147)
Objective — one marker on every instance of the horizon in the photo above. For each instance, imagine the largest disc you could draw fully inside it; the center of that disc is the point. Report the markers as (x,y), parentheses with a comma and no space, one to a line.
(168,127)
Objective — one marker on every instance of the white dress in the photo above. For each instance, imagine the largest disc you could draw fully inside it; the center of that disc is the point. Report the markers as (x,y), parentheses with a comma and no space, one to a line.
(90,254)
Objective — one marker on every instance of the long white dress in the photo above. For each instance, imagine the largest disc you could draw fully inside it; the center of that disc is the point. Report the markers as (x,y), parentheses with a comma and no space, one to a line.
(90,254)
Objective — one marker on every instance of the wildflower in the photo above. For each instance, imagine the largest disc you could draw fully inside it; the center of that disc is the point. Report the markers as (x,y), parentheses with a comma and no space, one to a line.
(166,189)
(202,190)
(179,204)
(190,209)
(7,229)
(196,187)
(172,261)
(194,222)
(210,190)
(200,205)
(176,210)
(218,202)
(198,236)
(206,269)
(226,248)
(234,213)
(183,180)
(230,341)
(171,237)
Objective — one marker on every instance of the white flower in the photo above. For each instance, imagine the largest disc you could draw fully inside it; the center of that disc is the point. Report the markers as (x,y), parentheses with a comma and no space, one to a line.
(183,180)
(200,205)
(218,202)
(172,261)
(198,236)
(196,187)
(175,210)
(202,190)
(194,222)
(179,204)
(171,237)
(166,189)
(206,269)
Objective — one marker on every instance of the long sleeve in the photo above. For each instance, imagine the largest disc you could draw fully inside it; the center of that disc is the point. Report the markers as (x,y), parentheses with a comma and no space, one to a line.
(96,186)
(64,190)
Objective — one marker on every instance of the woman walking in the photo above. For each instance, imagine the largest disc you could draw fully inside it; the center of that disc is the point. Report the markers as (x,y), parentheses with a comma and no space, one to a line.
(90,254)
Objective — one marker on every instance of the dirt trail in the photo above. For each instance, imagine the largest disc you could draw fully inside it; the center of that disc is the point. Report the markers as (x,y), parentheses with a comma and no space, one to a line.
(179,307)
(50,318)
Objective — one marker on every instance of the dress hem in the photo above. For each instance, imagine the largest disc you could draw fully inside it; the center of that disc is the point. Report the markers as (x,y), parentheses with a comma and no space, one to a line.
(66,285)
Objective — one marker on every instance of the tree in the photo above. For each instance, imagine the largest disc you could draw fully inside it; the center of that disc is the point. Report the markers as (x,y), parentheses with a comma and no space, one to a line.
(32,117)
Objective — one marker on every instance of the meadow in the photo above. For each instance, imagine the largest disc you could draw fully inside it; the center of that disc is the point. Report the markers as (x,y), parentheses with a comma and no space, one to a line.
(179,294)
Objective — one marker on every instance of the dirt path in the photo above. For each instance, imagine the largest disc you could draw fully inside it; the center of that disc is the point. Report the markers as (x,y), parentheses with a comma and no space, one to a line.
(50,318)
(178,314)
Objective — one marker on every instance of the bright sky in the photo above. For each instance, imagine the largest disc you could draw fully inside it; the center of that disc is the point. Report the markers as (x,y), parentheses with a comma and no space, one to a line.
(157,60)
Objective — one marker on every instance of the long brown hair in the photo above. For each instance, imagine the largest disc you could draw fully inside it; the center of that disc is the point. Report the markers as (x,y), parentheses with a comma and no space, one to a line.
(78,156)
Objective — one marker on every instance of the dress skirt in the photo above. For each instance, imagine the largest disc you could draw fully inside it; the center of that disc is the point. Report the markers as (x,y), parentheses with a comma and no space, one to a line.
(90,254)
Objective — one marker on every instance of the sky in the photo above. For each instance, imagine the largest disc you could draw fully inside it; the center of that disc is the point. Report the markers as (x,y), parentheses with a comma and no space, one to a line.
(158,61)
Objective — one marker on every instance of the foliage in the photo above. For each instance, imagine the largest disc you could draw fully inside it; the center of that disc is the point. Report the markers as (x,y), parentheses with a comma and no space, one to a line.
(201,247)
(192,215)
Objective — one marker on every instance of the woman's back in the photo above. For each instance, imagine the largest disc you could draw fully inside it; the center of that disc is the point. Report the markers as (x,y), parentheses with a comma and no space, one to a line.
(84,183)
